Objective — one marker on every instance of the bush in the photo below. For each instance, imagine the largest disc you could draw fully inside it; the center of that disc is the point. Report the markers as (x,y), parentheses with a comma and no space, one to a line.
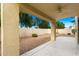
(34,35)
(73,31)
(69,34)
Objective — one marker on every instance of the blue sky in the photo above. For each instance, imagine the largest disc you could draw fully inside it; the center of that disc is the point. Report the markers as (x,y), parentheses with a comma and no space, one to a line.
(67,21)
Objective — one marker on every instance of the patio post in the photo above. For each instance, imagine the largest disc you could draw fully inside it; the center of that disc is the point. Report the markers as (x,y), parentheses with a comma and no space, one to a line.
(77,29)
(53,32)
(10,29)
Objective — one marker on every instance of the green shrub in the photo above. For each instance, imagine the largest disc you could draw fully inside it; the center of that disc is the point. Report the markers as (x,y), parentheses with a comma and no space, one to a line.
(34,35)
(69,34)
(73,31)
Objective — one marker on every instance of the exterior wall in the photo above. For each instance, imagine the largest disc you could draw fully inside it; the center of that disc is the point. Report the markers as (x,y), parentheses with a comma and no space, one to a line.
(28,32)
(10,29)
(64,31)
(24,32)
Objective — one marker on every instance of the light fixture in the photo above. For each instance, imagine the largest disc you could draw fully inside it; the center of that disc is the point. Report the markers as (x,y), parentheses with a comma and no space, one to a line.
(59,9)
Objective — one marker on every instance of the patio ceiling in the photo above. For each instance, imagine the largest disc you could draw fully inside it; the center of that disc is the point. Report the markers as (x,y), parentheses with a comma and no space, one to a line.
(50,11)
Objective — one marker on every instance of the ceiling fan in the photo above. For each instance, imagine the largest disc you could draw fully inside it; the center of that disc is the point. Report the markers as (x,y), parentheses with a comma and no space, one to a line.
(60,8)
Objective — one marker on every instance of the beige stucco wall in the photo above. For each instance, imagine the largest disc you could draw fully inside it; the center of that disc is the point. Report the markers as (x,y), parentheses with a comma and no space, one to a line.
(53,33)
(64,31)
(26,32)
(10,29)
(76,26)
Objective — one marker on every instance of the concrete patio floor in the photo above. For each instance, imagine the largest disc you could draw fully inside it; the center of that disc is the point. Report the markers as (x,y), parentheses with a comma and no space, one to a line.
(63,46)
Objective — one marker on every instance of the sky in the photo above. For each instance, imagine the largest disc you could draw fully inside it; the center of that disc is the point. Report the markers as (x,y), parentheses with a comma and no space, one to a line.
(67,21)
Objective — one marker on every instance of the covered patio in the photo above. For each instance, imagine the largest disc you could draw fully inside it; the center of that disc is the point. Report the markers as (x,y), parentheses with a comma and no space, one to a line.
(48,11)
(63,46)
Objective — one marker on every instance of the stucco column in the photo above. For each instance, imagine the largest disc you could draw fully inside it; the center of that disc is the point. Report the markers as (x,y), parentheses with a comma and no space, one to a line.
(77,29)
(53,32)
(10,29)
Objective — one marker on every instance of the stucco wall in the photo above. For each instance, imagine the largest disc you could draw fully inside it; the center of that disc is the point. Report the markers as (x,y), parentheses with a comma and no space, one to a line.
(64,31)
(24,32)
(10,29)
(28,32)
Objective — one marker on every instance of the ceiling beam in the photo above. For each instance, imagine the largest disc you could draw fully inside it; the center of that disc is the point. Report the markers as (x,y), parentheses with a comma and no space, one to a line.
(37,11)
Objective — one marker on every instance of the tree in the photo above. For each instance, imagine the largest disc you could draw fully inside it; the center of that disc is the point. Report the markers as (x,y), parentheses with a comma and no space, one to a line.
(25,20)
(36,21)
(73,21)
(60,25)
(44,24)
